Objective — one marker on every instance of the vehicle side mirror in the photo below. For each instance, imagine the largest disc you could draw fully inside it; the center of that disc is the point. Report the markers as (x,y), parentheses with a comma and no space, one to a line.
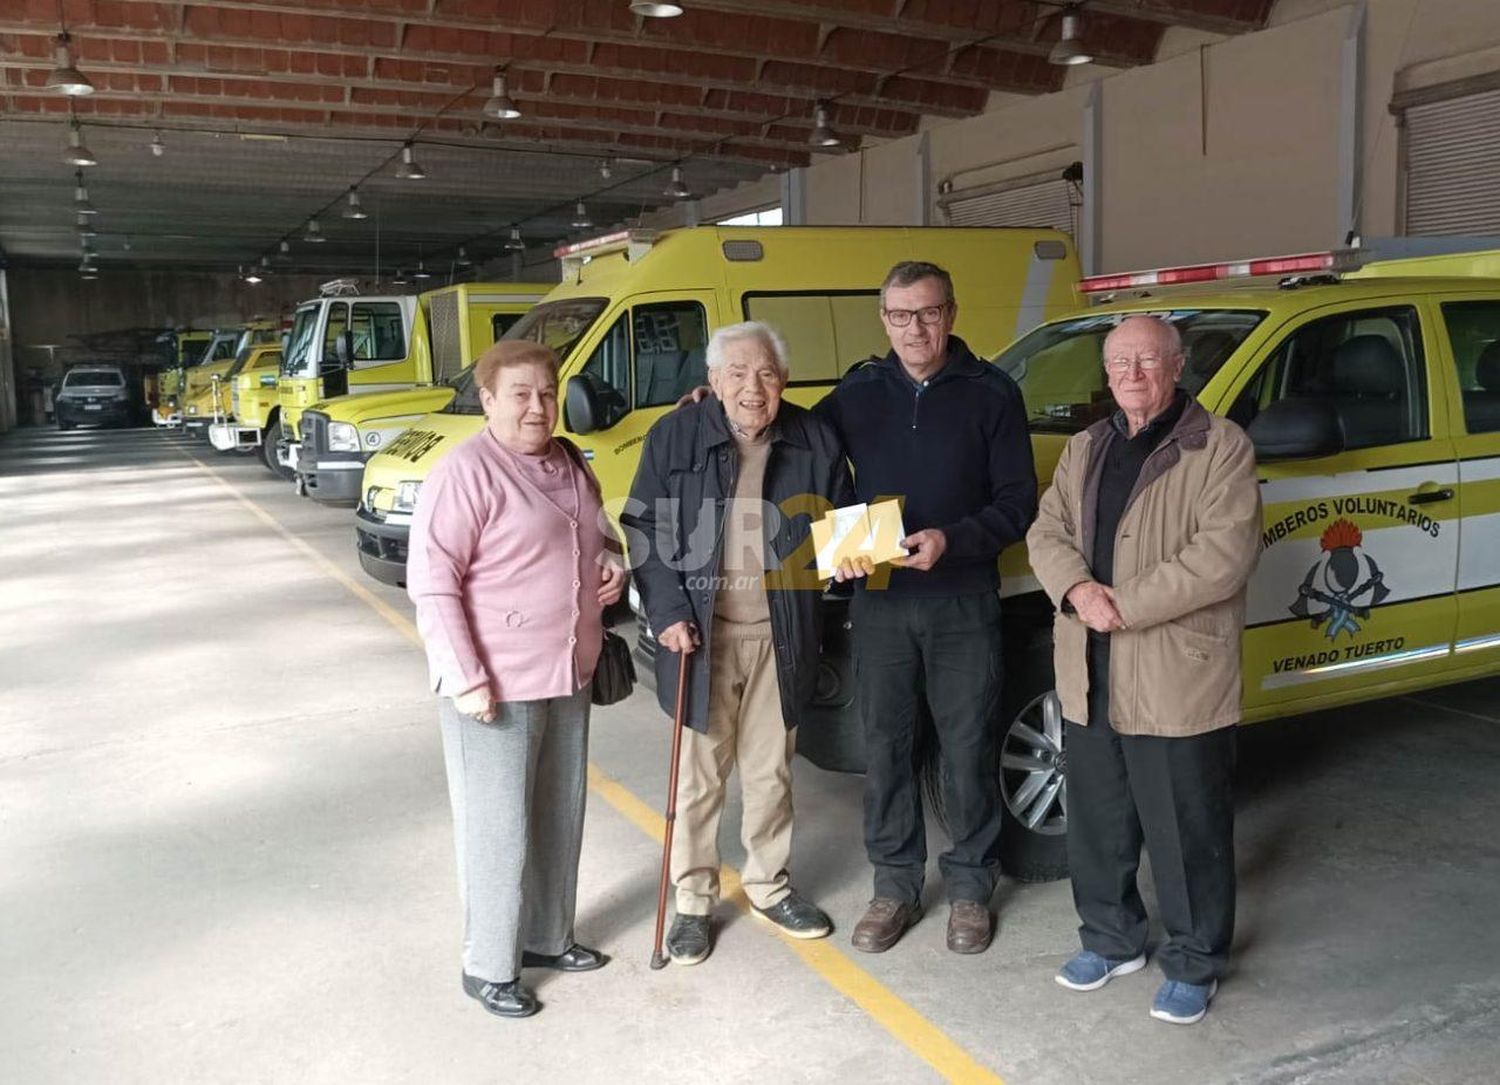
(343,350)
(1296,429)
(582,410)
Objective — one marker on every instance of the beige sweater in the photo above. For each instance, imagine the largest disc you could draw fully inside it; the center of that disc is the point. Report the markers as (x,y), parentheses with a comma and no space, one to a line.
(741,593)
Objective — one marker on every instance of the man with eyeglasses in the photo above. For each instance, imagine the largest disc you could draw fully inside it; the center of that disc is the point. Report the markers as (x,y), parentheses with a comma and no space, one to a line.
(1144,542)
(946,433)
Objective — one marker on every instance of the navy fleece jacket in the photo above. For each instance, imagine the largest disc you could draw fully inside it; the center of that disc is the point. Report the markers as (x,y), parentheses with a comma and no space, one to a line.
(955,449)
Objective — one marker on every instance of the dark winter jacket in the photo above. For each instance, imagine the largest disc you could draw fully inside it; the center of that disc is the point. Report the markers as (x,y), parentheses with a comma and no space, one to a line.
(674,526)
(954,449)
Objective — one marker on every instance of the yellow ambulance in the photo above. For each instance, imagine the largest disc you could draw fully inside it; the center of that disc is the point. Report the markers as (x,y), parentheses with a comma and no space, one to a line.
(452,326)
(252,405)
(635,311)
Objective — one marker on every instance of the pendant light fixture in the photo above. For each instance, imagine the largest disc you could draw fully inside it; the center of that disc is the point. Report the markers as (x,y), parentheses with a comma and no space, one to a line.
(462,259)
(649,10)
(352,209)
(1069,49)
(677,189)
(64,78)
(77,154)
(500,107)
(314,234)
(581,220)
(410,170)
(514,242)
(823,134)
(81,202)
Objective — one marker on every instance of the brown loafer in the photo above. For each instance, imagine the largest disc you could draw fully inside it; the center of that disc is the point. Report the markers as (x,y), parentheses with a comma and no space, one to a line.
(969,927)
(884,922)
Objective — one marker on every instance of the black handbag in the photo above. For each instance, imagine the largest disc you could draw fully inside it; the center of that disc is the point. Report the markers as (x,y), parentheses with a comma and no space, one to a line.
(614,677)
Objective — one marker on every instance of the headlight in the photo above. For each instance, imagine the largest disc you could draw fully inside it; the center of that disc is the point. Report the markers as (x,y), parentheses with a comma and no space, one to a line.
(406,497)
(343,437)
(193,409)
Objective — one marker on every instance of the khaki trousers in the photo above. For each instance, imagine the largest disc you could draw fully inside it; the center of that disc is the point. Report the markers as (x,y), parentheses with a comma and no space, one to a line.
(745,728)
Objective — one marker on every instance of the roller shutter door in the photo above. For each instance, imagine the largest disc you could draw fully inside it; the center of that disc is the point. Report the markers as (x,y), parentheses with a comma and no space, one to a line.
(1453,166)
(1041,204)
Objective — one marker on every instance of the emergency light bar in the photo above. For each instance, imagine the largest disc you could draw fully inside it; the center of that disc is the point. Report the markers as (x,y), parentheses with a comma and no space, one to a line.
(634,243)
(1304,264)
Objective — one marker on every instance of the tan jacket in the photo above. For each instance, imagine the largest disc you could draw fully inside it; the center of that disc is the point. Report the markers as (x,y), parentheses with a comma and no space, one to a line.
(1188,542)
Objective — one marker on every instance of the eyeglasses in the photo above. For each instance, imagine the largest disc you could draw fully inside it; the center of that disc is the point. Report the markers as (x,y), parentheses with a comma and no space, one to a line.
(1147,362)
(900,318)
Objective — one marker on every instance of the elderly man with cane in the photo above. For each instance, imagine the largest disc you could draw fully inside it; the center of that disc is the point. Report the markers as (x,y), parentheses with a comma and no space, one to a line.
(716,508)
(1145,542)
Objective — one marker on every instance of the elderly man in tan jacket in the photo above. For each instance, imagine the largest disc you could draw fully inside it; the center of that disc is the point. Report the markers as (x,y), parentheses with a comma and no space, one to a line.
(1144,543)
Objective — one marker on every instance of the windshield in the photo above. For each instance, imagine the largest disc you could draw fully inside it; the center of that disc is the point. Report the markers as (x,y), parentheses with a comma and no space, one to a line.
(558,324)
(94,377)
(1060,369)
(295,360)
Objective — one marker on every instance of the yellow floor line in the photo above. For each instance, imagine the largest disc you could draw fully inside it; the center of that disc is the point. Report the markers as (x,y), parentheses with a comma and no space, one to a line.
(919,1035)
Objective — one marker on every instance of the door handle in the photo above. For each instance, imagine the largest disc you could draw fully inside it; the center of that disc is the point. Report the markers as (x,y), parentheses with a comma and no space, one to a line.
(1426,497)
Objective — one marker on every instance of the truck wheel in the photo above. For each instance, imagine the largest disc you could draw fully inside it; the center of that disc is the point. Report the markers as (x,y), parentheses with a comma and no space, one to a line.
(1033,769)
(270,440)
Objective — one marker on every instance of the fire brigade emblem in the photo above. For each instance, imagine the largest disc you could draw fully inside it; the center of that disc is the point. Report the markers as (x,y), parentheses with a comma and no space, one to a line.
(1343,585)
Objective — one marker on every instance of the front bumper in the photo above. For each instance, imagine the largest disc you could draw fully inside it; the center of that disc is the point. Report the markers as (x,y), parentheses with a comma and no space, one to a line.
(166,417)
(332,482)
(229,436)
(108,412)
(382,542)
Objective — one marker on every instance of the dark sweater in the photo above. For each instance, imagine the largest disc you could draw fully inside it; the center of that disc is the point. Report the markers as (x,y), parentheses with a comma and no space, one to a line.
(955,449)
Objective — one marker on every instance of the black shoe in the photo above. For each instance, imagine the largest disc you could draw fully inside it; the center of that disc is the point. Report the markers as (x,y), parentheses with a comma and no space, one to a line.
(575,958)
(691,939)
(501,999)
(797,917)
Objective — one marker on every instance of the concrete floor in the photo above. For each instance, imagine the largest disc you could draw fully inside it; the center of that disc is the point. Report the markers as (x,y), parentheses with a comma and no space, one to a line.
(225,852)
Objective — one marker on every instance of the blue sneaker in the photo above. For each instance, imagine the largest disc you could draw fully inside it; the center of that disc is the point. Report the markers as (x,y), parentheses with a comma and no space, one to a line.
(1182,1003)
(1087,971)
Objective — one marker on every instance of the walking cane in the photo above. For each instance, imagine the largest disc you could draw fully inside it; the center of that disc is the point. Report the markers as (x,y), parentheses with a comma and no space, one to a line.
(658,959)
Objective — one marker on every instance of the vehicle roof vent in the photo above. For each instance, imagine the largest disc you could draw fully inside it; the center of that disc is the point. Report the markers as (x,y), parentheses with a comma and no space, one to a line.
(743,251)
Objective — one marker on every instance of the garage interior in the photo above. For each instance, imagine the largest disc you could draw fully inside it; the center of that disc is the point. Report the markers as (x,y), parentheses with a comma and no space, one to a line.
(227,851)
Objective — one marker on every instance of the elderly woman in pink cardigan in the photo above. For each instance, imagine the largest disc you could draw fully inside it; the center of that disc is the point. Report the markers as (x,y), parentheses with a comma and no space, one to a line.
(510,570)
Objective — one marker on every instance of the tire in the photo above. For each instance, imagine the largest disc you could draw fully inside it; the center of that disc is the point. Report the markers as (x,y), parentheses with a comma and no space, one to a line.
(270,440)
(64,426)
(1033,769)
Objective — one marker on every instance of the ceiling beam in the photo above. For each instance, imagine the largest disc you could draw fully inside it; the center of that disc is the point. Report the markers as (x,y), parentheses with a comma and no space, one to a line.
(693,38)
(1216,16)
(249,56)
(746,108)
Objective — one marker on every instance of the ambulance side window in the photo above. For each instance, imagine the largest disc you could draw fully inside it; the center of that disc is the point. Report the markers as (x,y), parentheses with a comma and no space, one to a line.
(670,341)
(608,370)
(1366,365)
(1474,335)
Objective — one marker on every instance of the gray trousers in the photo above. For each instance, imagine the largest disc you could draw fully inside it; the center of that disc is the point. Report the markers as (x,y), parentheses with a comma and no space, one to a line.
(517,786)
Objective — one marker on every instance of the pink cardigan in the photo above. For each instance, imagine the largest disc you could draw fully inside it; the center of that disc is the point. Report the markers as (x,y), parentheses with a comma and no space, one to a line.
(505,582)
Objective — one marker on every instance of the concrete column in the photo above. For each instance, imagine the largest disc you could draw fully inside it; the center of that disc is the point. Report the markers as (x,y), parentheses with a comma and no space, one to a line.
(1351,101)
(794,197)
(7,359)
(1091,222)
